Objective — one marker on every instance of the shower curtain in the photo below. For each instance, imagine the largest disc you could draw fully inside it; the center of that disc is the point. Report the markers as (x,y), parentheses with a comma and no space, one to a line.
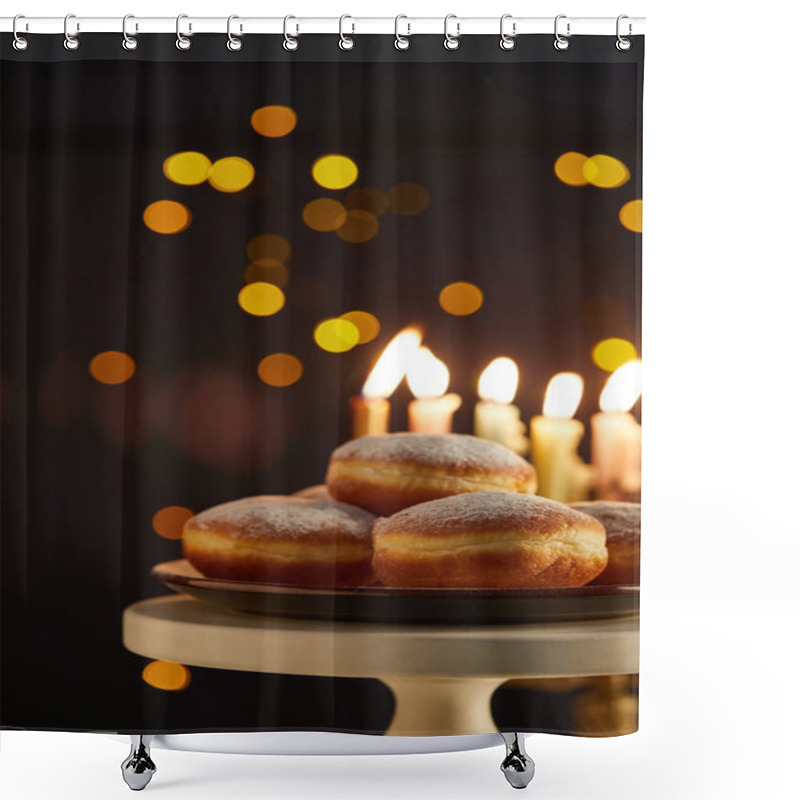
(404,283)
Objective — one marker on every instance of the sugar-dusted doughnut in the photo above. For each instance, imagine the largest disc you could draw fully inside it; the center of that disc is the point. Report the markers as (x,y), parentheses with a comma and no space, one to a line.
(622,522)
(489,540)
(275,539)
(385,474)
(317,492)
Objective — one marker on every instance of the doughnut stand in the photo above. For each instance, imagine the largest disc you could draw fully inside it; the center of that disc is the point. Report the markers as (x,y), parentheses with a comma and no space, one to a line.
(442,676)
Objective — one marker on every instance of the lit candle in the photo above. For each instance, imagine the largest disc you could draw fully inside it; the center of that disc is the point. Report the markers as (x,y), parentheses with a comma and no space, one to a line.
(369,411)
(617,436)
(496,418)
(433,409)
(555,437)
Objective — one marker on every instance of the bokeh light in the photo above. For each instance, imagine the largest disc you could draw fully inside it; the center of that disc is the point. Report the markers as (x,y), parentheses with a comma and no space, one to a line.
(231,174)
(569,168)
(273,121)
(324,214)
(168,521)
(267,270)
(261,299)
(167,216)
(605,172)
(630,215)
(334,171)
(280,369)
(189,168)
(408,199)
(336,335)
(368,325)
(359,226)
(461,298)
(167,675)
(366,198)
(269,245)
(610,354)
(112,367)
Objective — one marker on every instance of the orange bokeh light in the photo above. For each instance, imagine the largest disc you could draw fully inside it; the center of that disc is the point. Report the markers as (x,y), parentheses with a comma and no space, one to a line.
(167,675)
(167,216)
(112,367)
(168,521)
(273,121)
(280,369)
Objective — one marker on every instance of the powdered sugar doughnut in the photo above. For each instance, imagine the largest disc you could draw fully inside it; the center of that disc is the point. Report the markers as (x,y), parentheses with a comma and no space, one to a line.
(623,522)
(275,539)
(388,473)
(316,492)
(489,540)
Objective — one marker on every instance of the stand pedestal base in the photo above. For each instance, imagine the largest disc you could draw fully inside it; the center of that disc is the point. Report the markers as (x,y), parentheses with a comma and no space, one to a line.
(441,706)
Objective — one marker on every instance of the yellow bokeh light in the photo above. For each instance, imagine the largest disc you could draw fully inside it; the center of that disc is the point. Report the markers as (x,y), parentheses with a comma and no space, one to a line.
(267,270)
(273,121)
(368,325)
(336,335)
(461,298)
(269,245)
(569,168)
(367,199)
(408,199)
(610,354)
(168,521)
(605,172)
(280,369)
(167,216)
(188,168)
(324,214)
(167,675)
(630,215)
(359,226)
(261,299)
(112,367)
(334,171)
(231,174)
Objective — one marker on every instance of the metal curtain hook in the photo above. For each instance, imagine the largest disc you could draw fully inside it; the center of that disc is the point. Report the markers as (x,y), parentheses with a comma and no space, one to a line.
(289,42)
(623,43)
(71,42)
(129,42)
(20,42)
(346,42)
(182,42)
(451,42)
(507,42)
(401,42)
(561,42)
(234,43)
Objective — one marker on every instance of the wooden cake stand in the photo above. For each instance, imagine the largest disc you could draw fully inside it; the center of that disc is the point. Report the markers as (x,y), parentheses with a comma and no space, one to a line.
(442,677)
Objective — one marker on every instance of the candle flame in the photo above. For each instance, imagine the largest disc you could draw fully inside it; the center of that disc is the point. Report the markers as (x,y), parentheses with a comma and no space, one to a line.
(392,364)
(499,381)
(623,387)
(563,395)
(427,376)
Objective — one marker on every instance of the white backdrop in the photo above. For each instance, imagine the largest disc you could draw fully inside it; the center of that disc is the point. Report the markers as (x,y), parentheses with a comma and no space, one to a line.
(721,604)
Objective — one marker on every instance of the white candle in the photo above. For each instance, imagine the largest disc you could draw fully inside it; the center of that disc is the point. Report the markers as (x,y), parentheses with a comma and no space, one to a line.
(555,437)
(369,411)
(432,410)
(496,417)
(617,436)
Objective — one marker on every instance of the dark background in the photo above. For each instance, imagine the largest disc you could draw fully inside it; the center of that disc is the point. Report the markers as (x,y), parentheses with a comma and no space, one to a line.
(85,466)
